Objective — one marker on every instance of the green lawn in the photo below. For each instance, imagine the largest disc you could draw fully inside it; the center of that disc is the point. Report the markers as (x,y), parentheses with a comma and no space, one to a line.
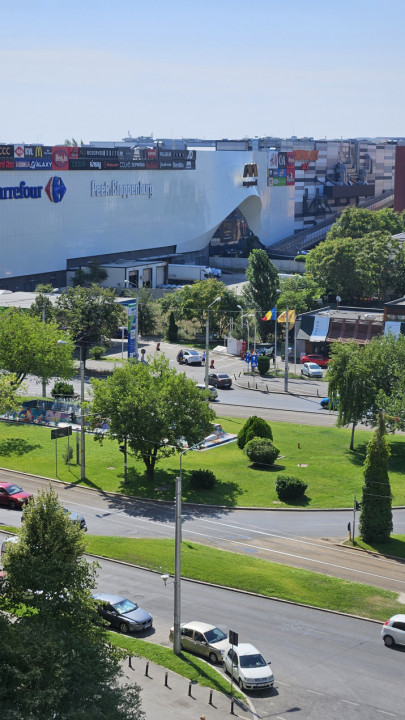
(321,456)
(395,547)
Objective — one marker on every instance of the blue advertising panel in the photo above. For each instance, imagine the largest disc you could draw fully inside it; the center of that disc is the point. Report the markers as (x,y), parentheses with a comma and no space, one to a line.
(247,357)
(132,329)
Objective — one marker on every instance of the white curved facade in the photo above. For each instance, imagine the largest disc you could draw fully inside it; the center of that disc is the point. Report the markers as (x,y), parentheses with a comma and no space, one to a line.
(112,211)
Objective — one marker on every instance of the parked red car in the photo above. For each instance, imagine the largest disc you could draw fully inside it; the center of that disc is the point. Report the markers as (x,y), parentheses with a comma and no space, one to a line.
(13,496)
(320,360)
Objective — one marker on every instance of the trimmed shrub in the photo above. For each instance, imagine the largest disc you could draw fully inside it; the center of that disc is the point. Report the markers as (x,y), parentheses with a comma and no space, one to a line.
(300,258)
(202,480)
(263,364)
(253,427)
(261,451)
(97,352)
(62,389)
(289,487)
(172,332)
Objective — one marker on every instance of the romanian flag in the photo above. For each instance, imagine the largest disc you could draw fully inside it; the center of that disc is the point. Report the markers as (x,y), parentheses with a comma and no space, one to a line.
(271,314)
(291,317)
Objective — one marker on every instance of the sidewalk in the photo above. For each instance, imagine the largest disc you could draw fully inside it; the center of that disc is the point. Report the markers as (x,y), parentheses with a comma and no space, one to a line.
(174,702)
(296,386)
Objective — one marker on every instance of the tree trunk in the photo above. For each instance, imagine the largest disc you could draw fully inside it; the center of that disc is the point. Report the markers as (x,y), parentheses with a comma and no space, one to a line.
(352,437)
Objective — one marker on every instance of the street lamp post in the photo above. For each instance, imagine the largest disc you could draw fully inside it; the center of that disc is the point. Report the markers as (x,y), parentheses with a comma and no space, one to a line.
(82,433)
(122,328)
(286,351)
(207,340)
(128,282)
(177,564)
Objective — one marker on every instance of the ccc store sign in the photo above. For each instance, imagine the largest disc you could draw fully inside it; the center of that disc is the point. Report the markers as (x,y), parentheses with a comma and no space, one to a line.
(7,151)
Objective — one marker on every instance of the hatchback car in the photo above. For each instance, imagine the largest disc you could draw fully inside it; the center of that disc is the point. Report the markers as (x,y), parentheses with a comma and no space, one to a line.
(13,496)
(76,518)
(192,357)
(320,360)
(248,667)
(311,370)
(213,393)
(203,639)
(328,404)
(123,614)
(220,380)
(393,631)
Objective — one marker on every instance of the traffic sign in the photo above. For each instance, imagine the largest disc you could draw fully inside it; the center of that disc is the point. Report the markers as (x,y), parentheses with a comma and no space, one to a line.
(61,432)
(233,638)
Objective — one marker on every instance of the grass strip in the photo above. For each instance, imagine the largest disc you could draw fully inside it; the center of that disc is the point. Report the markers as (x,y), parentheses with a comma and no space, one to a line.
(200,562)
(395,547)
(185,664)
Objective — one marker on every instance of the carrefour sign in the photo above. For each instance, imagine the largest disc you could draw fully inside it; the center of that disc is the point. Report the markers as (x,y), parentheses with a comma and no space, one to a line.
(55,190)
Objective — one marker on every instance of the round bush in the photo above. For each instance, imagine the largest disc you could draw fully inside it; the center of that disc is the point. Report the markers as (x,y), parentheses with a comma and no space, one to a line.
(289,487)
(263,364)
(97,352)
(261,451)
(300,258)
(62,389)
(253,427)
(202,480)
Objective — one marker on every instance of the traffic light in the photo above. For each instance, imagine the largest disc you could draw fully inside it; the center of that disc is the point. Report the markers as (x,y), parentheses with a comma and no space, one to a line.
(122,448)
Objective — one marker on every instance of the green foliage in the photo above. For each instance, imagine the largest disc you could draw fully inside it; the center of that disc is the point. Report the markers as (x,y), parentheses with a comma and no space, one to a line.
(62,389)
(42,308)
(299,292)
(173,329)
(261,451)
(359,258)
(202,479)
(263,364)
(30,346)
(154,407)
(97,352)
(300,258)
(44,288)
(289,487)
(48,649)
(261,288)
(376,508)
(350,383)
(10,399)
(68,455)
(192,301)
(253,427)
(90,315)
(146,312)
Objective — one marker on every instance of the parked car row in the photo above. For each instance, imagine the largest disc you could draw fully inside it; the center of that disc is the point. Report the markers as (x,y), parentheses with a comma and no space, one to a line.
(243,662)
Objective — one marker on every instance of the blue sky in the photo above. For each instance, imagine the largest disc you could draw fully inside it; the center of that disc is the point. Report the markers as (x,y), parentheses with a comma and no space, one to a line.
(94,70)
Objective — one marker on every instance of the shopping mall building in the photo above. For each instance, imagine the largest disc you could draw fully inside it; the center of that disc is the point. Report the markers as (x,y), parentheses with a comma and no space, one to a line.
(171,200)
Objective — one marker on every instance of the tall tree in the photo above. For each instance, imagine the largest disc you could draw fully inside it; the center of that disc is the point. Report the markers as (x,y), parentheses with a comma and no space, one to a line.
(42,308)
(9,398)
(191,303)
(350,385)
(260,292)
(300,293)
(332,264)
(357,222)
(146,310)
(48,587)
(152,407)
(91,316)
(376,508)
(30,346)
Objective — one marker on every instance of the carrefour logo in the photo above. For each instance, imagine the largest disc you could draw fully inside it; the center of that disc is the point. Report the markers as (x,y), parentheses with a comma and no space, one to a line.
(55,190)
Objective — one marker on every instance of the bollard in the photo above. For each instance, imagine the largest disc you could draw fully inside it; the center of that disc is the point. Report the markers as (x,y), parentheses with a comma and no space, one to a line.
(147,670)
(130,662)
(166,678)
(210,700)
(189,689)
(232,703)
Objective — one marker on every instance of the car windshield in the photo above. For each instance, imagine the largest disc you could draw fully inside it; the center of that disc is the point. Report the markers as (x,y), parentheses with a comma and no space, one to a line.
(192,352)
(252,661)
(13,489)
(215,635)
(125,606)
(313,366)
(223,375)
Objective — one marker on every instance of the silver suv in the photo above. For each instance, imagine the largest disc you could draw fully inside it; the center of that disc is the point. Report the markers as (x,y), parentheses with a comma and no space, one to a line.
(393,631)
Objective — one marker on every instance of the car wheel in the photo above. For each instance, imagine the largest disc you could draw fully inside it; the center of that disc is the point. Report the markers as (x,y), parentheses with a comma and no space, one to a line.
(123,628)
(389,641)
(224,668)
(12,505)
(213,658)
(240,683)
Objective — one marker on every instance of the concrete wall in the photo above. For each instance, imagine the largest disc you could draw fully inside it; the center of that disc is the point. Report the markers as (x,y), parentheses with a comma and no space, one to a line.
(240,264)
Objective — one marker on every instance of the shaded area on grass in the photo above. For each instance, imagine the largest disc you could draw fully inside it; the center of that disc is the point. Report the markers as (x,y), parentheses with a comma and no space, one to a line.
(16,446)
(394,547)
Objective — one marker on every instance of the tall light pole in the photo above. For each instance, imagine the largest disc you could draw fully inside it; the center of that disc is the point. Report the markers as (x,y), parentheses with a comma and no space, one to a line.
(82,433)
(122,328)
(128,282)
(207,340)
(248,315)
(286,350)
(177,564)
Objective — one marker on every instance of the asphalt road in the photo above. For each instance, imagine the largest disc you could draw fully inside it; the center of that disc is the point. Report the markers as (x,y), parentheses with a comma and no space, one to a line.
(307,540)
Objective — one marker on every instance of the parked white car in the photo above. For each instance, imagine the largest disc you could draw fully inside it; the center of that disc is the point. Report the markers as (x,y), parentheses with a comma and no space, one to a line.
(393,631)
(311,369)
(248,667)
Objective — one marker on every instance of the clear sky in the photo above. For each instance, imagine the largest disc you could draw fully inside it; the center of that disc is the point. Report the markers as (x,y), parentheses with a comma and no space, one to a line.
(94,70)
